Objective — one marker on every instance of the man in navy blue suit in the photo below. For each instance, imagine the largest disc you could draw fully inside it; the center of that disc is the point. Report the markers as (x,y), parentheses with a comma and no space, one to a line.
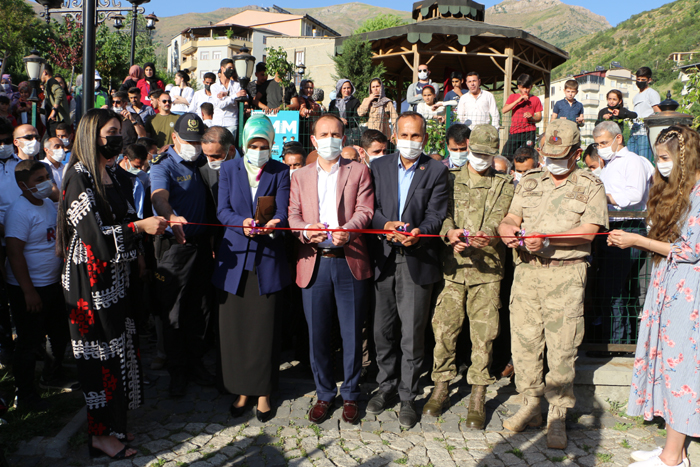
(410,195)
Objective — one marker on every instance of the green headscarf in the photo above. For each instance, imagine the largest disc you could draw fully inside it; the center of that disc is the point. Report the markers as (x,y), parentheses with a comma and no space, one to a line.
(257,126)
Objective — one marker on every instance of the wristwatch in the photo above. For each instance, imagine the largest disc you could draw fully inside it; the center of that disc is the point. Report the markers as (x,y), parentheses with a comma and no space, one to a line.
(545,243)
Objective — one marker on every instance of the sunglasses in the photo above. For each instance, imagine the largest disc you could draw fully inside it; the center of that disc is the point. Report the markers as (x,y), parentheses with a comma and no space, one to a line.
(29,137)
(166,102)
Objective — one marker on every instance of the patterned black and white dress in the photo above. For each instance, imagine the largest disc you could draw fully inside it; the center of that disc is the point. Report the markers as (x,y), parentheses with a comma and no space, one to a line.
(95,284)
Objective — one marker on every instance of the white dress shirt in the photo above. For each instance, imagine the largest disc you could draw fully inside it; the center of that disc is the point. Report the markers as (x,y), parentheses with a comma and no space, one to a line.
(626,179)
(474,111)
(186,92)
(327,184)
(199,98)
(226,109)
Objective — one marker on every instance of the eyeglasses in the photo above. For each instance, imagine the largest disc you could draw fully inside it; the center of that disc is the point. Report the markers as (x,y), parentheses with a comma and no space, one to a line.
(115,102)
(29,137)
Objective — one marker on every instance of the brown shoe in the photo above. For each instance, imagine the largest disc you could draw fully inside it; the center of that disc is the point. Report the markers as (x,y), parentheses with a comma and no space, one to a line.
(556,427)
(319,411)
(351,412)
(508,371)
(476,416)
(439,400)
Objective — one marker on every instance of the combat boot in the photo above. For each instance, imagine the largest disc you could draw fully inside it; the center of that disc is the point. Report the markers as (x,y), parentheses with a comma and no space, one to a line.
(439,400)
(529,414)
(556,427)
(476,417)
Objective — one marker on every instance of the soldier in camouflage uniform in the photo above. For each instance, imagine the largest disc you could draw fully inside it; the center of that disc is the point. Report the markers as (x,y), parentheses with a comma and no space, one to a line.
(550,276)
(473,271)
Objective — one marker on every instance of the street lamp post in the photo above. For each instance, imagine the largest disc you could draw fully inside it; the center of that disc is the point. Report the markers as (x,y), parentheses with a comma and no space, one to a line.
(243,63)
(35,65)
(664,119)
(134,16)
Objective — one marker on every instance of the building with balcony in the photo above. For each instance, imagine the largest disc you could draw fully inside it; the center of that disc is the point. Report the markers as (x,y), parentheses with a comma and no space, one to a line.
(593,87)
(282,21)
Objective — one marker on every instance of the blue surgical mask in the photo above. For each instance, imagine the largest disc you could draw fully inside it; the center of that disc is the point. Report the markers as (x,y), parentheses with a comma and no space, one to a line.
(459,158)
(257,157)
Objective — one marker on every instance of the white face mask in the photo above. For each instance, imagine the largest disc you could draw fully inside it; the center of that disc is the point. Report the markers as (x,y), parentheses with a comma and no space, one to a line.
(517,176)
(291,171)
(6,151)
(329,148)
(117,110)
(42,190)
(97,84)
(31,148)
(479,163)
(257,157)
(65,141)
(459,158)
(665,168)
(189,152)
(607,153)
(597,171)
(374,158)
(410,150)
(422,75)
(215,165)
(557,166)
(58,154)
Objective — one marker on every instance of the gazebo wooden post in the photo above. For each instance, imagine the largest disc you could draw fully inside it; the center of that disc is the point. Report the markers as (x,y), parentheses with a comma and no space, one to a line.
(399,91)
(416,62)
(547,78)
(507,83)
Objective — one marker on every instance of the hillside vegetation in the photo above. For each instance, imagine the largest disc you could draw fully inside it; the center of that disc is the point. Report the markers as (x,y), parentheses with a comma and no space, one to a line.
(646,39)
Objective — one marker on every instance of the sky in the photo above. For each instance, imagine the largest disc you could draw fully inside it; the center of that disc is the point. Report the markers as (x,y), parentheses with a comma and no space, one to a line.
(614,11)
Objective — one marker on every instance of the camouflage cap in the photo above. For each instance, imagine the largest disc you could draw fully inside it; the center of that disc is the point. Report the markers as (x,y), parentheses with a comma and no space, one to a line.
(560,135)
(484,140)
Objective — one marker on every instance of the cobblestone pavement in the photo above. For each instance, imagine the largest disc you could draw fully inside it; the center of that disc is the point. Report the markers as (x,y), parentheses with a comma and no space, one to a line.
(198,431)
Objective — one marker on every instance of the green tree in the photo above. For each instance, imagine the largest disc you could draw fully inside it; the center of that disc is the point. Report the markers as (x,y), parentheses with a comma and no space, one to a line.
(277,64)
(17,20)
(355,64)
(380,22)
(690,103)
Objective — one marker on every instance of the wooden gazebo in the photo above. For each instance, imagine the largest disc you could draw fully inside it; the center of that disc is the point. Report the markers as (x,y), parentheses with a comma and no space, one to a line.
(452,34)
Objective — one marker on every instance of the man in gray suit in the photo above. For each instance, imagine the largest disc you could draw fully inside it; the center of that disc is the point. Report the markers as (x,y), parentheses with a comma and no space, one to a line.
(410,196)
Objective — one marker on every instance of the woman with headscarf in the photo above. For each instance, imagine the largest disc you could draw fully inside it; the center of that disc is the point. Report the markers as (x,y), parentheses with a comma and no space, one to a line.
(136,74)
(252,267)
(381,110)
(23,109)
(149,82)
(345,104)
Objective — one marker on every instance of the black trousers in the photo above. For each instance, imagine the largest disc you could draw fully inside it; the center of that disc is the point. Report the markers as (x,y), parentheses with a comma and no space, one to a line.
(44,334)
(183,276)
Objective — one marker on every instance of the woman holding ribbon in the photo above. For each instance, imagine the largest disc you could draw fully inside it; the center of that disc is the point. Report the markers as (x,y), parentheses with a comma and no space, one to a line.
(665,381)
(251,266)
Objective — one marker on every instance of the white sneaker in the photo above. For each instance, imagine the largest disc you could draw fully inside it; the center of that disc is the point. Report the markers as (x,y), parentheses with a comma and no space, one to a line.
(657,462)
(639,456)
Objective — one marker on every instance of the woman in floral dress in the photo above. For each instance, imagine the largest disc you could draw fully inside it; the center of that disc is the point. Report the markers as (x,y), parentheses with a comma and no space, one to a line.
(666,379)
(99,237)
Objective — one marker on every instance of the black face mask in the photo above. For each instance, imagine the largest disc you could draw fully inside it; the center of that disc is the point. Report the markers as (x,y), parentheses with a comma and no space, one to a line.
(207,87)
(642,85)
(228,73)
(113,148)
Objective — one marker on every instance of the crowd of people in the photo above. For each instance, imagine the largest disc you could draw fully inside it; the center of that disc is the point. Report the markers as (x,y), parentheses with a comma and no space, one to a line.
(150,198)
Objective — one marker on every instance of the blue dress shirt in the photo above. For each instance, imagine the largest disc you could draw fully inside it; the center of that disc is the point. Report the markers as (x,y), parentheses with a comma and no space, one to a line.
(405,179)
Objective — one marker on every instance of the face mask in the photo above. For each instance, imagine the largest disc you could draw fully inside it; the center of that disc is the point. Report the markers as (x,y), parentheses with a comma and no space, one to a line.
(329,148)
(607,153)
(665,168)
(113,147)
(459,158)
(422,75)
(291,171)
(257,157)
(207,87)
(97,84)
(374,158)
(597,171)
(6,151)
(58,154)
(189,152)
(479,163)
(642,85)
(117,110)
(410,150)
(8,88)
(42,190)
(30,148)
(65,141)
(215,165)
(517,176)
(557,166)
(228,73)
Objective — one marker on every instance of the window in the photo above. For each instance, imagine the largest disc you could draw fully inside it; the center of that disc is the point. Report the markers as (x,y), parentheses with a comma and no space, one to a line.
(204,55)
(601,96)
(299,57)
(264,40)
(201,74)
(216,55)
(554,88)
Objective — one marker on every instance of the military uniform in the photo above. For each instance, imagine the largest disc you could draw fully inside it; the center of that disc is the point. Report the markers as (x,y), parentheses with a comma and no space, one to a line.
(548,287)
(478,203)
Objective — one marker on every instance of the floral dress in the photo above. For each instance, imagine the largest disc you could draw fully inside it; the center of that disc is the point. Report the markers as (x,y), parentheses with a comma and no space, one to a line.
(666,378)
(95,281)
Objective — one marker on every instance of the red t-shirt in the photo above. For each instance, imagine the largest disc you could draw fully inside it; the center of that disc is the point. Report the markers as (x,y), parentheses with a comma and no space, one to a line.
(518,123)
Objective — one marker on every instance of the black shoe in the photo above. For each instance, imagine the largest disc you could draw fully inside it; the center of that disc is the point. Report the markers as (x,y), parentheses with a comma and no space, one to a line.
(379,402)
(178,385)
(263,417)
(199,375)
(237,411)
(60,384)
(408,417)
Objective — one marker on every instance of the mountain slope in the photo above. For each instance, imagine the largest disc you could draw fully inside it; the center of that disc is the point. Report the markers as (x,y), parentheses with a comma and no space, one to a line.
(550,20)
(646,39)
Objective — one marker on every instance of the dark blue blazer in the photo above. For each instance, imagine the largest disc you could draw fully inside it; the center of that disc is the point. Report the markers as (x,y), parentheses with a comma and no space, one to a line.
(235,205)
(425,208)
